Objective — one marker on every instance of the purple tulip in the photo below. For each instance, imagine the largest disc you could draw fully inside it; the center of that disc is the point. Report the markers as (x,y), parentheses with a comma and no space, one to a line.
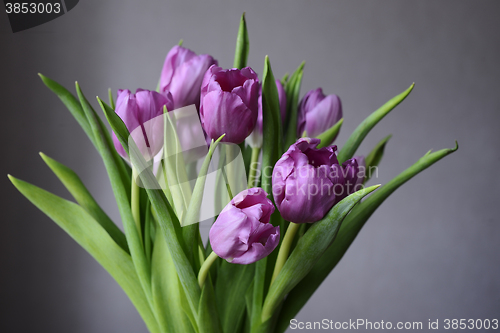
(317,113)
(255,139)
(182,75)
(229,103)
(142,110)
(307,181)
(242,233)
(354,174)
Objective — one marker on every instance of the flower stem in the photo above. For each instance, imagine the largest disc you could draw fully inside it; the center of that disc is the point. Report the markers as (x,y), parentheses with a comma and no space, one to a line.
(205,268)
(285,249)
(136,202)
(252,180)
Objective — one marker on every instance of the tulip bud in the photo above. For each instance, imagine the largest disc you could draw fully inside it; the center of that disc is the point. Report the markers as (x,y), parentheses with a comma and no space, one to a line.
(307,181)
(182,75)
(354,174)
(255,139)
(317,113)
(242,233)
(141,112)
(229,103)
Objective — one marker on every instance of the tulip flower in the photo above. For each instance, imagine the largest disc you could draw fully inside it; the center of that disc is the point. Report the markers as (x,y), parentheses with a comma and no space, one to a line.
(317,113)
(229,103)
(242,233)
(307,181)
(182,75)
(141,112)
(255,139)
(354,174)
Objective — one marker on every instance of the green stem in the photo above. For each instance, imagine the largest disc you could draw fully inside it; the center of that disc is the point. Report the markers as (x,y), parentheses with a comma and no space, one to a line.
(147,232)
(136,213)
(226,180)
(205,268)
(253,170)
(285,249)
(230,172)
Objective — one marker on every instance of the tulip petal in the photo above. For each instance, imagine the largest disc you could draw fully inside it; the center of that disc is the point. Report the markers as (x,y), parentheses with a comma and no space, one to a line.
(220,109)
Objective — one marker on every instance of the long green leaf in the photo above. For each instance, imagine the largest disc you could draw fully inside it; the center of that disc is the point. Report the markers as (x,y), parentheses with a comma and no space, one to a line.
(366,125)
(120,192)
(308,250)
(232,284)
(78,190)
(208,318)
(347,233)
(163,213)
(373,159)
(242,45)
(73,105)
(272,131)
(87,232)
(167,290)
(271,152)
(191,219)
(329,135)
(292,90)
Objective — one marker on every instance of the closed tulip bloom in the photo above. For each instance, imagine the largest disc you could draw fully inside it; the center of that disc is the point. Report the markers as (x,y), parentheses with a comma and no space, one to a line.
(307,181)
(317,113)
(182,75)
(255,139)
(142,110)
(229,103)
(242,233)
(354,174)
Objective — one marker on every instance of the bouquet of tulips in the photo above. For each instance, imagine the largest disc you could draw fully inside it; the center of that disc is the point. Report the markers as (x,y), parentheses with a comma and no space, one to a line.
(221,146)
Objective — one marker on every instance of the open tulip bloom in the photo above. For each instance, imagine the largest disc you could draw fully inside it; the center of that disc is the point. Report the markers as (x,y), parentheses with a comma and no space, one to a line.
(179,156)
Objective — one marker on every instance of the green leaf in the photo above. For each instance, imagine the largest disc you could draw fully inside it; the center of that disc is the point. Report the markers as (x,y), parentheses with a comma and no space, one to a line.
(120,192)
(163,214)
(242,45)
(116,123)
(232,284)
(272,131)
(175,166)
(373,159)
(292,91)
(87,232)
(73,105)
(347,233)
(111,100)
(308,250)
(167,293)
(191,219)
(329,135)
(258,295)
(284,79)
(271,152)
(366,125)
(208,318)
(78,190)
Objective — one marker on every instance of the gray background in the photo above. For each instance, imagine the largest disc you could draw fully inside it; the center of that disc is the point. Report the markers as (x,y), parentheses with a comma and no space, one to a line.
(430,252)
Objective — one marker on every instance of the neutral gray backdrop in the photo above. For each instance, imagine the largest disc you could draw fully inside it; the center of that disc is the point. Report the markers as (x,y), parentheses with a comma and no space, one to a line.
(430,252)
